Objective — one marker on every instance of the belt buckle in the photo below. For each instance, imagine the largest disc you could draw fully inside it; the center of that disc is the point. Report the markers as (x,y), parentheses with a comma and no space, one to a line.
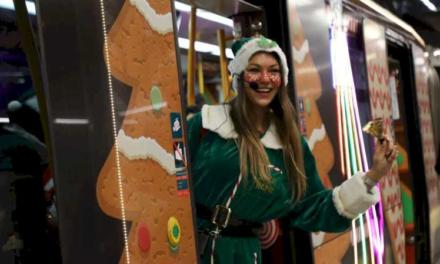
(221,216)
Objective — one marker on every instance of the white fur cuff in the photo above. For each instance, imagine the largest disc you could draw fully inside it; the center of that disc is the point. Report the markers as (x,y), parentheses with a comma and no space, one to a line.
(352,198)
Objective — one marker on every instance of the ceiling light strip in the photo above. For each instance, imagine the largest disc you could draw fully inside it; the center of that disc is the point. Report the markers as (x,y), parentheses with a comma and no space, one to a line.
(9,4)
(204,47)
(429,5)
(4,120)
(205,14)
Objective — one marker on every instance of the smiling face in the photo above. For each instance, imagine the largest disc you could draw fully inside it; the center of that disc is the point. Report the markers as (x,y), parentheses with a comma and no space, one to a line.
(262,79)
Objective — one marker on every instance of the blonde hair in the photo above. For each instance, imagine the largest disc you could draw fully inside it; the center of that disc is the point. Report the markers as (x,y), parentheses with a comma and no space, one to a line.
(253,157)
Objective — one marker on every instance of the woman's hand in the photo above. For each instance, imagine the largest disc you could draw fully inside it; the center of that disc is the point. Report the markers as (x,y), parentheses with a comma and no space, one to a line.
(383,159)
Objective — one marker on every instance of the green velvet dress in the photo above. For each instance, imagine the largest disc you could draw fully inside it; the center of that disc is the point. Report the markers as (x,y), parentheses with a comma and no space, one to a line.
(215,170)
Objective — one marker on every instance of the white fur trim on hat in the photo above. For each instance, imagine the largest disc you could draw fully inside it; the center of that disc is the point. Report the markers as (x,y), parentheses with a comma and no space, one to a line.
(241,59)
(352,198)
(216,118)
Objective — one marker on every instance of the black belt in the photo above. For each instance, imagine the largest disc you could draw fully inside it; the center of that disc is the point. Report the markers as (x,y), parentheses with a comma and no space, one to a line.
(236,227)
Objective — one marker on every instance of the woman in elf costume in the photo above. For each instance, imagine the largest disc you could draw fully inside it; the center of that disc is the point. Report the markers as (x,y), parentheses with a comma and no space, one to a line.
(250,164)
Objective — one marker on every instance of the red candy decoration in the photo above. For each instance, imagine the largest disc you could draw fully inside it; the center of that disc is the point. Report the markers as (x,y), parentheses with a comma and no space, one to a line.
(144,238)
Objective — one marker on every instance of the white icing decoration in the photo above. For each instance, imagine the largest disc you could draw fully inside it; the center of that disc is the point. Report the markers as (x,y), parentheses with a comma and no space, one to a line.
(161,23)
(300,55)
(317,135)
(145,148)
(142,109)
(317,238)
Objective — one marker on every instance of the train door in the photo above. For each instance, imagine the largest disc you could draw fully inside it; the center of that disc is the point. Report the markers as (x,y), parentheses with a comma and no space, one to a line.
(112,84)
(401,83)
(28,214)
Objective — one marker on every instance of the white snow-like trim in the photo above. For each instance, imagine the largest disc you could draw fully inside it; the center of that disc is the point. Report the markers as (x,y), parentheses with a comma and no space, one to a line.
(163,24)
(216,118)
(317,238)
(299,55)
(317,135)
(352,198)
(145,148)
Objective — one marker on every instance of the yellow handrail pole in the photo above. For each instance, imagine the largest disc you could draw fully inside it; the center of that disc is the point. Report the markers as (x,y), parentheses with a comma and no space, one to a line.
(200,76)
(223,64)
(32,56)
(191,97)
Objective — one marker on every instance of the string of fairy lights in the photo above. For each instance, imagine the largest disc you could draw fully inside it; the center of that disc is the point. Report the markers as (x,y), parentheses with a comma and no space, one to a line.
(351,144)
(115,131)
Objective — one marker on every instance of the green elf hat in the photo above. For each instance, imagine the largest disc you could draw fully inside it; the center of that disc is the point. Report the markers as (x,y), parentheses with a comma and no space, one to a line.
(243,50)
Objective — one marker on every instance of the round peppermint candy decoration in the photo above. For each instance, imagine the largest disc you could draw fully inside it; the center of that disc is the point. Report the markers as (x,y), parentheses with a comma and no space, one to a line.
(268,233)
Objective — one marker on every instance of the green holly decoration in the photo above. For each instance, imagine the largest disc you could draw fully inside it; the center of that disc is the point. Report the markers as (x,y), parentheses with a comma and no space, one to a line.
(266,43)
(156,98)
(308,106)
